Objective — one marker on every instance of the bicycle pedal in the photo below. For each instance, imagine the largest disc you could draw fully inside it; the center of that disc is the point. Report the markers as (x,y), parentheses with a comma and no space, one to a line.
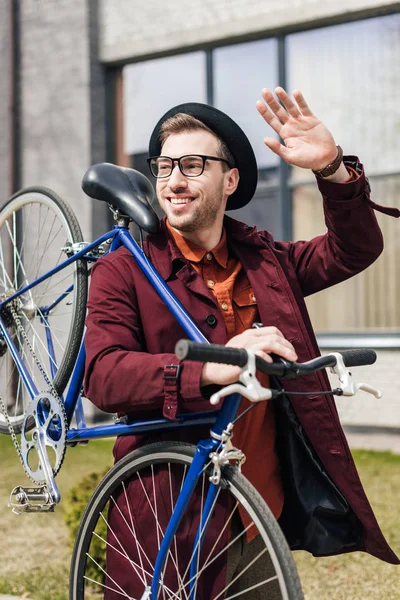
(30,499)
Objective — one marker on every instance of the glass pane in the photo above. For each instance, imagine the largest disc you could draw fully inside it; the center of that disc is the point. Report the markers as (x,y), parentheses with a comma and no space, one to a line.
(350,75)
(369,301)
(240,73)
(153,87)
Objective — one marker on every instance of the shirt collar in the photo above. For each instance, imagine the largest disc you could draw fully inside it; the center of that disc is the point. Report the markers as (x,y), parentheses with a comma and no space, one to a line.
(195,253)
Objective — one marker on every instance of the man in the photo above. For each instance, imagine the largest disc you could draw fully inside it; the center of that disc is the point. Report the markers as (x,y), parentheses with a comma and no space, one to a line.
(228,276)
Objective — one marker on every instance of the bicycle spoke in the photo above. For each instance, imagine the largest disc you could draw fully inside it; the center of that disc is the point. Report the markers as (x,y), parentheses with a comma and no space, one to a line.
(197,545)
(158,526)
(5,274)
(246,568)
(16,255)
(172,510)
(128,504)
(253,587)
(36,339)
(133,532)
(124,553)
(34,227)
(106,587)
(101,568)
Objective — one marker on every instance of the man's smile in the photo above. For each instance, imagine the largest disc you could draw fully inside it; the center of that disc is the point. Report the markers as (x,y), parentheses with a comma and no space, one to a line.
(180,200)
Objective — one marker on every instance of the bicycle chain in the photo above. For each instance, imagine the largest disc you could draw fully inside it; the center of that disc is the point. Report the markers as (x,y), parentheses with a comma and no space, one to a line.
(53,392)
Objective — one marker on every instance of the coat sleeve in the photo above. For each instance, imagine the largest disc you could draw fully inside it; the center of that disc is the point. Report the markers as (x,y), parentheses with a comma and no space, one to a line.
(353,240)
(120,376)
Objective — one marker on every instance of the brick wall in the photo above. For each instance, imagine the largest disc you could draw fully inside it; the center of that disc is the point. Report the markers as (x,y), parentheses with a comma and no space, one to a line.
(131,30)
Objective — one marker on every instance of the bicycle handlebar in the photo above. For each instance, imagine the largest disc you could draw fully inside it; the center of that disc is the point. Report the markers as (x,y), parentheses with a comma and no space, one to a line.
(188,350)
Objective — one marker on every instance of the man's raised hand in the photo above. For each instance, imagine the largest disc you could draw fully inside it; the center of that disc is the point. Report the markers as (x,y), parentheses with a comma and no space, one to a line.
(307,142)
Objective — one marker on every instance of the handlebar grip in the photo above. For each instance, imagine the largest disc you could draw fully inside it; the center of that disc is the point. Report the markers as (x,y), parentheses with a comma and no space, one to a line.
(359,357)
(185,349)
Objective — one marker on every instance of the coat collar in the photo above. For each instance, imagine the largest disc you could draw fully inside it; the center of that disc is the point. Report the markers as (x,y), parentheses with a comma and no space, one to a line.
(168,259)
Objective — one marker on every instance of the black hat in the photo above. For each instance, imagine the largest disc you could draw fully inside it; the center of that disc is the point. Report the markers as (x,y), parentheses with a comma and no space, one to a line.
(233,136)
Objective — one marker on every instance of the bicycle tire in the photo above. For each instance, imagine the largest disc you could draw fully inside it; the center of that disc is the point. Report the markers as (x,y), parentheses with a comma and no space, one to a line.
(87,557)
(25,258)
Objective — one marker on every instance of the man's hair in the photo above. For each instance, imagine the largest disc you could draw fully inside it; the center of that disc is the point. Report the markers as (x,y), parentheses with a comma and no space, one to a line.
(182,122)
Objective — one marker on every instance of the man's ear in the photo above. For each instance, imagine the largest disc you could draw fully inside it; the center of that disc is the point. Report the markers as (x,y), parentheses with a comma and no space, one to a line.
(232,181)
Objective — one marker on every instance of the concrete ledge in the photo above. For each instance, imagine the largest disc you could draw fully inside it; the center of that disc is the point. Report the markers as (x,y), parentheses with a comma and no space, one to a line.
(373,438)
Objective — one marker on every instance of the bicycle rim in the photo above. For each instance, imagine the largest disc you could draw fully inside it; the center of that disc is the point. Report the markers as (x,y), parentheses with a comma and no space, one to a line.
(35,227)
(126,518)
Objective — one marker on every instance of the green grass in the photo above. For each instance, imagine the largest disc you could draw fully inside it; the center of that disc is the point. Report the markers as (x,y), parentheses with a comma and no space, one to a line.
(34,549)
(35,554)
(359,576)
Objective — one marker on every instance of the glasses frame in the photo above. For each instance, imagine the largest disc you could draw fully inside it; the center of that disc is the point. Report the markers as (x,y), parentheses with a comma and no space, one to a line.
(204,158)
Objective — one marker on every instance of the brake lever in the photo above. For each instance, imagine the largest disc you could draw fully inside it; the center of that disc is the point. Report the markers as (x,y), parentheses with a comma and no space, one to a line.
(349,388)
(251,388)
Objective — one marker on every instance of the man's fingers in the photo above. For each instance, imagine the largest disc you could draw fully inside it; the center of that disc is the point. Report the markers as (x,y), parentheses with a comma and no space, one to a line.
(305,109)
(290,106)
(263,355)
(269,117)
(262,331)
(274,105)
(276,345)
(265,339)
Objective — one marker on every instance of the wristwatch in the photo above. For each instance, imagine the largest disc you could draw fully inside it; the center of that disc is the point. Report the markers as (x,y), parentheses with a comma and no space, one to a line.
(332,167)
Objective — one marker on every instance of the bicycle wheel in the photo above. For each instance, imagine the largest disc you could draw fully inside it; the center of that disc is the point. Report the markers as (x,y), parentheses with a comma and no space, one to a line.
(36,227)
(125,520)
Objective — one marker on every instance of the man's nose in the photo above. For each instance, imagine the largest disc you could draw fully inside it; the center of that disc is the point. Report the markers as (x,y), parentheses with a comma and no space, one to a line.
(176,179)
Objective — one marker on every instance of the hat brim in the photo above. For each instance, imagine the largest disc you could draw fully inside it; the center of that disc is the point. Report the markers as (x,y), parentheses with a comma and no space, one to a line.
(234,137)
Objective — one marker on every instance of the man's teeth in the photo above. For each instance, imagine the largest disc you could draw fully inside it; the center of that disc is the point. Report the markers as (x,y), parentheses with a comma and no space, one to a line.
(180,200)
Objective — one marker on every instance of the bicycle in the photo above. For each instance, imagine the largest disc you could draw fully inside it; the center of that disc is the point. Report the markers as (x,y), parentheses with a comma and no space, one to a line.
(42,312)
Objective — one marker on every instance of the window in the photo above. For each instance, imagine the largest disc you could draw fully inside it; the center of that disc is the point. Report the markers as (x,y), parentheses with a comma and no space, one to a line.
(357,95)
(239,74)
(152,87)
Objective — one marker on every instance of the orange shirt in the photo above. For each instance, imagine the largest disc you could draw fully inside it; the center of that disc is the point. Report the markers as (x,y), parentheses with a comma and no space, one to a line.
(255,432)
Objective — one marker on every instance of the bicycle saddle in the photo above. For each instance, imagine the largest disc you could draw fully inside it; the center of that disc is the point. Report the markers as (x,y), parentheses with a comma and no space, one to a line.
(125,189)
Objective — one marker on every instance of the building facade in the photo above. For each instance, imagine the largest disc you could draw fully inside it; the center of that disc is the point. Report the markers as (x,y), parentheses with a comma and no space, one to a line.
(85,81)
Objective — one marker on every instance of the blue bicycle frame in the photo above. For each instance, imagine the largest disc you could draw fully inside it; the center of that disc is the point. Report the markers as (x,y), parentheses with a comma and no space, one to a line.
(72,402)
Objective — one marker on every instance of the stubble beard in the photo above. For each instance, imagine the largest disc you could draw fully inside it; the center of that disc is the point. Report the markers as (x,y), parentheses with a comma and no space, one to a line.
(202,217)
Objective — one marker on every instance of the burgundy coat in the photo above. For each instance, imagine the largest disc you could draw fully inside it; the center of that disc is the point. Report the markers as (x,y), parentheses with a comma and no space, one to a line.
(131,334)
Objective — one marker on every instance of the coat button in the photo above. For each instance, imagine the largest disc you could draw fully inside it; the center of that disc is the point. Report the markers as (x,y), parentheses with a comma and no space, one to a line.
(212,321)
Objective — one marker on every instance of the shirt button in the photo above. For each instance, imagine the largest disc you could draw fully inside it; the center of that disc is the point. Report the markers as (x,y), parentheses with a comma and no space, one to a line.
(210,283)
(209,256)
(224,306)
(211,320)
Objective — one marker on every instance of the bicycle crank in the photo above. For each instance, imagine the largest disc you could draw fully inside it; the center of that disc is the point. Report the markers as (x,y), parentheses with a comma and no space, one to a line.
(43,444)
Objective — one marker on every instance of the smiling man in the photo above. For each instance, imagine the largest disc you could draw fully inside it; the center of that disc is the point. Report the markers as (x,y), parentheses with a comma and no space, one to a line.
(193,190)
(228,276)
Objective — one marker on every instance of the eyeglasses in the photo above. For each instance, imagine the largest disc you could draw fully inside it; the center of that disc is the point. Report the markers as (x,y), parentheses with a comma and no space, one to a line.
(190,165)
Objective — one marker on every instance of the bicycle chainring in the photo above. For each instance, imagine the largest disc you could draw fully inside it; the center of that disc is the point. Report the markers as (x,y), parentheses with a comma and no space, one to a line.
(44,428)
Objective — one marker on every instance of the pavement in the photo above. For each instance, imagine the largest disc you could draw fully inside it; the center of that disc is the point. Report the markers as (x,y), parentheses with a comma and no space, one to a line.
(371,438)
(2,597)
